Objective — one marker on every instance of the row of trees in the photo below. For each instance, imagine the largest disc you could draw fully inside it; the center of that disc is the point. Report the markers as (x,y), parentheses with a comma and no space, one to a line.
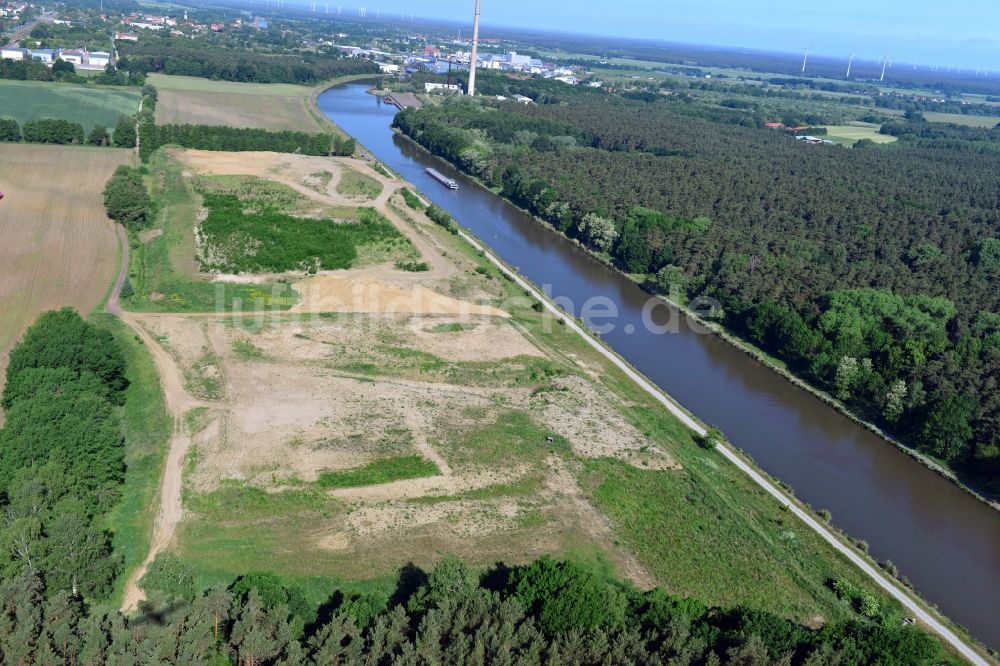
(826,257)
(548,612)
(61,458)
(212,137)
(245,66)
(52,130)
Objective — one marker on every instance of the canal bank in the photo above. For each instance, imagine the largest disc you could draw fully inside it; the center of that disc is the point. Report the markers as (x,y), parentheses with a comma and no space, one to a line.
(942,539)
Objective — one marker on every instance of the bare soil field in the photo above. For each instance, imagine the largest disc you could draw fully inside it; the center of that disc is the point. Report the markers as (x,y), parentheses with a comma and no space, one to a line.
(278,106)
(57,247)
(299,397)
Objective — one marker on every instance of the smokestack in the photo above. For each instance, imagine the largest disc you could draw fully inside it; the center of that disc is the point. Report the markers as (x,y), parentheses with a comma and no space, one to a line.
(475,52)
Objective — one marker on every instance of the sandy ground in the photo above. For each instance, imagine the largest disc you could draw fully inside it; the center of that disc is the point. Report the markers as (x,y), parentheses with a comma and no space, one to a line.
(283,399)
(338,292)
(57,247)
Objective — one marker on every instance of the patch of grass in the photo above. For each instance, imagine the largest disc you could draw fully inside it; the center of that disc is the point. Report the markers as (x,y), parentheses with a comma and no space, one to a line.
(391,360)
(267,240)
(196,420)
(852,133)
(704,533)
(355,184)
(385,470)
(527,486)
(452,327)
(511,437)
(248,350)
(204,378)
(235,500)
(146,426)
(959,119)
(380,169)
(319,180)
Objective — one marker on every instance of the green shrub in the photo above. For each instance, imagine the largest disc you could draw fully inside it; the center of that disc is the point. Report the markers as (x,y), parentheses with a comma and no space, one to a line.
(413,266)
(411,199)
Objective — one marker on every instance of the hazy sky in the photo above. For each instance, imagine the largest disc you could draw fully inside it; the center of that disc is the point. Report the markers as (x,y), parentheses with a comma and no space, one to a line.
(949,32)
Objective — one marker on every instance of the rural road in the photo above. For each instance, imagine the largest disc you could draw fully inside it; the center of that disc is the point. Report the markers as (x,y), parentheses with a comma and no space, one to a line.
(915,608)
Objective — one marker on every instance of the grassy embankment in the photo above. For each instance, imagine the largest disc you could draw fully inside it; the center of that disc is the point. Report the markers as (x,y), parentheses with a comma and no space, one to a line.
(87,105)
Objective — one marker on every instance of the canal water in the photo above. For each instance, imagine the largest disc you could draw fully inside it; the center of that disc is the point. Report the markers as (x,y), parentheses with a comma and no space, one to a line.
(945,541)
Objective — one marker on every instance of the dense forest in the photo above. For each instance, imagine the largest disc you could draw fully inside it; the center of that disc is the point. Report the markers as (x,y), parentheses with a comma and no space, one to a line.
(549,612)
(239,65)
(61,464)
(872,271)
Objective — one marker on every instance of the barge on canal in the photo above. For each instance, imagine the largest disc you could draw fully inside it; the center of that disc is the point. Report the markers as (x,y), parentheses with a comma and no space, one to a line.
(443,179)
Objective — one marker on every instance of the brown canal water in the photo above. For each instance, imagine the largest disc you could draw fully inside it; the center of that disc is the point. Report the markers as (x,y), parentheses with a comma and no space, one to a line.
(944,540)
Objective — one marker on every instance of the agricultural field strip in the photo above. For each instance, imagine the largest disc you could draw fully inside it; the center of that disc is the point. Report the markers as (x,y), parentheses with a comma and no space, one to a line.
(89,106)
(275,106)
(912,605)
(58,247)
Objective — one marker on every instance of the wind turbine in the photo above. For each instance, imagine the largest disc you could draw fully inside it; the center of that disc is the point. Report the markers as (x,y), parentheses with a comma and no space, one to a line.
(805,57)
(850,60)
(473,61)
(885,62)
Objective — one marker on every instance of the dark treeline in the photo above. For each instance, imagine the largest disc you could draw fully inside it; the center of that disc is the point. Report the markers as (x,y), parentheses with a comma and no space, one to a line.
(25,70)
(52,130)
(58,131)
(34,70)
(61,465)
(548,612)
(211,137)
(239,65)
(871,270)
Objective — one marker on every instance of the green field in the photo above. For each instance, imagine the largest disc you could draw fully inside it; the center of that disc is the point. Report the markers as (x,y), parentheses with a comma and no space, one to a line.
(962,119)
(853,132)
(89,106)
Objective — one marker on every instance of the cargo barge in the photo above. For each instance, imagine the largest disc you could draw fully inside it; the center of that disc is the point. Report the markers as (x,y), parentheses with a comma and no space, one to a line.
(443,179)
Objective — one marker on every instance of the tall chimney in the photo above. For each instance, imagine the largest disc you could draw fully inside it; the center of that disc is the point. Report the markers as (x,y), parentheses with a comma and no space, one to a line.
(475,52)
